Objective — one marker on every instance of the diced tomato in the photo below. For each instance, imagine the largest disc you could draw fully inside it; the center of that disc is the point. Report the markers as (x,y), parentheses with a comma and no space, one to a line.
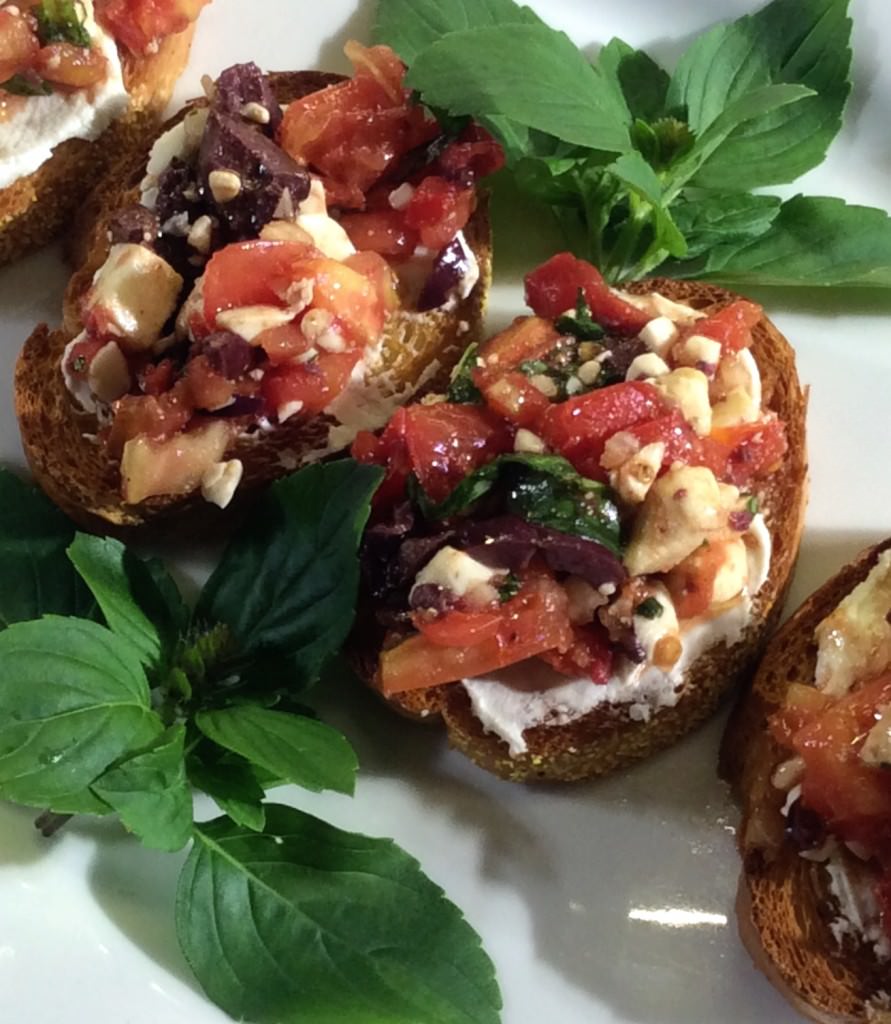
(682,443)
(528,337)
(446,442)
(439,443)
(692,582)
(579,427)
(458,628)
(282,344)
(590,654)
(438,210)
(74,67)
(350,296)
(137,24)
(315,384)
(732,325)
(353,132)
(19,44)
(475,154)
(156,378)
(514,397)
(753,449)
(204,387)
(534,621)
(255,273)
(155,417)
(553,288)
(380,273)
(382,231)
(803,705)
(852,797)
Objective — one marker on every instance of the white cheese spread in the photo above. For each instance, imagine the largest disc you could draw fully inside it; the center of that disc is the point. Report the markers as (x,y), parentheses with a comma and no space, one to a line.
(41,123)
(859,917)
(531,693)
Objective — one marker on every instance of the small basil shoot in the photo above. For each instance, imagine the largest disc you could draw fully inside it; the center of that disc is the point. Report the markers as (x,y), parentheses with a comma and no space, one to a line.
(509,587)
(26,85)
(752,504)
(462,390)
(582,324)
(58,21)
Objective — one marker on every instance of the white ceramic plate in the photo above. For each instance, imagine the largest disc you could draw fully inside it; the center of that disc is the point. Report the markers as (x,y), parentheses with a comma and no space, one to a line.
(575,891)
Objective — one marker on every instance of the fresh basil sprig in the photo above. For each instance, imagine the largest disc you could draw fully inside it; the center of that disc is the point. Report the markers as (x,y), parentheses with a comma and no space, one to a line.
(648,172)
(115,698)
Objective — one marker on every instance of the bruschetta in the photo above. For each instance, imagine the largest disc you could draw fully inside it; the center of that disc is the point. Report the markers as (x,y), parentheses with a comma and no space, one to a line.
(808,751)
(296,255)
(80,81)
(582,546)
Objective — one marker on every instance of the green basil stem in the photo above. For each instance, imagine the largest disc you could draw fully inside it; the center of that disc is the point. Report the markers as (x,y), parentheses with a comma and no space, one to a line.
(629,236)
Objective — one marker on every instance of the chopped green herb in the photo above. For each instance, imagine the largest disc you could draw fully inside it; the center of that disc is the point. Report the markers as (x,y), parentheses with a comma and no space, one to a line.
(752,505)
(20,85)
(462,389)
(651,608)
(509,588)
(582,325)
(58,21)
(80,364)
(531,367)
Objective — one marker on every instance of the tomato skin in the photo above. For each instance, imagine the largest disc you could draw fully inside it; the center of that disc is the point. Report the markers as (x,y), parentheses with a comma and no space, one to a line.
(438,210)
(692,582)
(380,273)
(381,231)
(350,296)
(439,443)
(553,288)
(474,155)
(591,654)
(316,384)
(457,628)
(19,44)
(514,397)
(580,427)
(148,416)
(70,66)
(528,337)
(732,325)
(752,449)
(536,620)
(139,23)
(282,344)
(852,797)
(682,443)
(254,273)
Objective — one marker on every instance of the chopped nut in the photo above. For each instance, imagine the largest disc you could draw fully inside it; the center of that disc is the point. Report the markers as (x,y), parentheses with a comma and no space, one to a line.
(224,185)
(544,384)
(219,483)
(289,409)
(788,774)
(634,478)
(666,651)
(526,441)
(285,231)
(201,234)
(209,86)
(255,112)
(109,375)
(589,371)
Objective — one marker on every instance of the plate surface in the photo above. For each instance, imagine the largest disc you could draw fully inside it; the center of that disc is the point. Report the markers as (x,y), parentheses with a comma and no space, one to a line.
(567,886)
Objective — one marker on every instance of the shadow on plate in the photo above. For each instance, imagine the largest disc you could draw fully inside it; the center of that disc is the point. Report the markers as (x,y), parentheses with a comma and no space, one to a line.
(357,26)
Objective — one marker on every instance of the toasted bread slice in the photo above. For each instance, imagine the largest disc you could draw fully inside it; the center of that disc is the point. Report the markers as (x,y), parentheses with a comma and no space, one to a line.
(784,906)
(36,207)
(418,350)
(608,738)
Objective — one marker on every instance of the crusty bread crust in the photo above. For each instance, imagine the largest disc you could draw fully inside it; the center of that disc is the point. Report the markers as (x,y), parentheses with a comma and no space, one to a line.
(607,739)
(75,471)
(36,207)
(784,906)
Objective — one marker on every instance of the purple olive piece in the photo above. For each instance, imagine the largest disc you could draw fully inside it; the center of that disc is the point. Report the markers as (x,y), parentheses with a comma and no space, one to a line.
(449,269)
(240,87)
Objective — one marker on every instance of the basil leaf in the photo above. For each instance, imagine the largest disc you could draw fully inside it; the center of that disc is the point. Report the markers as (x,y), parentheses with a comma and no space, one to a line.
(542,489)
(805,41)
(73,699)
(461,387)
(727,218)
(636,80)
(637,175)
(26,85)
(58,22)
(410,26)
(233,785)
(150,793)
(138,598)
(38,579)
(530,74)
(306,922)
(813,241)
(746,108)
(286,586)
(294,748)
